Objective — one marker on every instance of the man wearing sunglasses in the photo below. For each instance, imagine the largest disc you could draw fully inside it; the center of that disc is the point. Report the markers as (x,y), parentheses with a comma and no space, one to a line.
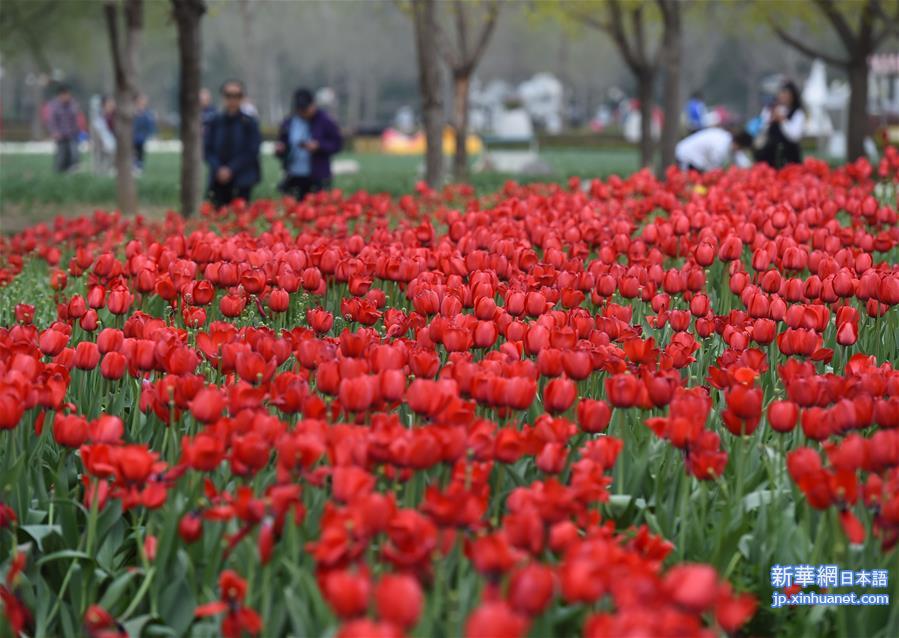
(306,141)
(231,147)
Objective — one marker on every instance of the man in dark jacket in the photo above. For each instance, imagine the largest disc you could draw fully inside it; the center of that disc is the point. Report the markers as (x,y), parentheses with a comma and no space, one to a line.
(144,129)
(64,127)
(306,141)
(231,147)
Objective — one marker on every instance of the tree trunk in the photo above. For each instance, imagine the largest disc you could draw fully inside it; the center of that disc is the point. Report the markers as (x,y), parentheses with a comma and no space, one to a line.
(425,19)
(461,89)
(858,109)
(645,82)
(187,18)
(124,60)
(672,39)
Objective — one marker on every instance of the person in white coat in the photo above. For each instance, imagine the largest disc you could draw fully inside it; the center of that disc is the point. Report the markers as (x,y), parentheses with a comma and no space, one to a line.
(103,139)
(783,124)
(712,148)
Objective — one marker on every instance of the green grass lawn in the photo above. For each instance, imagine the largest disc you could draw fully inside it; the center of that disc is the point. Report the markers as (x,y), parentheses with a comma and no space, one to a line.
(29,187)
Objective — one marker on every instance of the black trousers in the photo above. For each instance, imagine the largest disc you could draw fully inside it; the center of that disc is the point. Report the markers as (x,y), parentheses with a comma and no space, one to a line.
(66,154)
(223,194)
(778,151)
(298,186)
(139,154)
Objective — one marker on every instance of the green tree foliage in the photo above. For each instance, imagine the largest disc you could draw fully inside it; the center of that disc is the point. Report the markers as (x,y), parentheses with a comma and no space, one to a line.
(42,29)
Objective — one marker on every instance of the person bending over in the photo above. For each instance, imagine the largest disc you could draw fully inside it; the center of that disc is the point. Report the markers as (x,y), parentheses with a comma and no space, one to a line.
(712,148)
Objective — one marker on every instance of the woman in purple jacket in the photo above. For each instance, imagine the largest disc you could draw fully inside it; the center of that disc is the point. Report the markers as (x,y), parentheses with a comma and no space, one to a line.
(306,141)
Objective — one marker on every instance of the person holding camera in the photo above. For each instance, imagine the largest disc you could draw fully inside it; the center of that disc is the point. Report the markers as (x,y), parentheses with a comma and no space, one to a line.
(63,124)
(783,124)
(306,141)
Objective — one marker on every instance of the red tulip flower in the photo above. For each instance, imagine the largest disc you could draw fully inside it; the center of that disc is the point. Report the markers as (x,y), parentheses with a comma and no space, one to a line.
(238,618)
(623,390)
(847,333)
(593,415)
(783,415)
(495,619)
(531,589)
(347,592)
(399,599)
(70,430)
(113,366)
(559,394)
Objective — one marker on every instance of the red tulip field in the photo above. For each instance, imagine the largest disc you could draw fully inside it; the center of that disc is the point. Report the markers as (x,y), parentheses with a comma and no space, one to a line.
(617,408)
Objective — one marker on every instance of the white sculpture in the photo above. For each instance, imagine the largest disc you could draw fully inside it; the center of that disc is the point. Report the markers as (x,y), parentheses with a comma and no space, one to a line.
(514,125)
(814,97)
(543,97)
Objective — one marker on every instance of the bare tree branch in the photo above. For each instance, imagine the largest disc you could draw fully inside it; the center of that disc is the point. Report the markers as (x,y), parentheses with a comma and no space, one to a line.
(636,61)
(461,30)
(134,14)
(441,40)
(134,23)
(110,10)
(486,33)
(446,49)
(829,9)
(637,25)
(632,54)
(462,59)
(806,50)
(669,12)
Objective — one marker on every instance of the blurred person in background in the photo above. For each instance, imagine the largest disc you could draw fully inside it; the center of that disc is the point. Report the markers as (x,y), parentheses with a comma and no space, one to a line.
(108,107)
(306,141)
(696,112)
(102,137)
(231,146)
(248,107)
(144,129)
(326,98)
(62,123)
(782,126)
(207,109)
(712,148)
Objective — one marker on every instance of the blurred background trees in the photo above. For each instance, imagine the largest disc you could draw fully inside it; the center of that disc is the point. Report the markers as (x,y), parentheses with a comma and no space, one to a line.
(370,63)
(601,51)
